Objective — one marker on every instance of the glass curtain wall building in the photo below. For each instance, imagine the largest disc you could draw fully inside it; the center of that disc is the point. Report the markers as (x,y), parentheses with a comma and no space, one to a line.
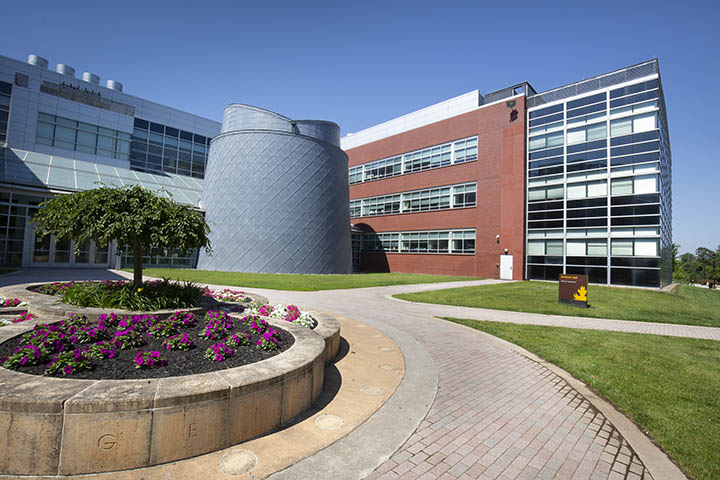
(599,180)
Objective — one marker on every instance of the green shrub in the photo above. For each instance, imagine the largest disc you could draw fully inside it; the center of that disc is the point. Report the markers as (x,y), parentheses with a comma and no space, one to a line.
(154,295)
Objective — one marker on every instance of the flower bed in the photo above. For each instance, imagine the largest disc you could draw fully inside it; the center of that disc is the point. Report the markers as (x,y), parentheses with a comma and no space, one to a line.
(81,426)
(228,295)
(142,346)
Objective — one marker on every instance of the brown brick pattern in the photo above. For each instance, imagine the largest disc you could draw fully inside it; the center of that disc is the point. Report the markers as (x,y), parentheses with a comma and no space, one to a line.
(499,415)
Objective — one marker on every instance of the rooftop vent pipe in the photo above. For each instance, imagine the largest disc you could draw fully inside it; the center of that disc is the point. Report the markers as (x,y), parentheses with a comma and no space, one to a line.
(65,69)
(37,60)
(114,85)
(91,78)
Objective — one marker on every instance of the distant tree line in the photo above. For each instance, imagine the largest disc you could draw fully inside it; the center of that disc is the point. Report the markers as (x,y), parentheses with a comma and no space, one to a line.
(702,267)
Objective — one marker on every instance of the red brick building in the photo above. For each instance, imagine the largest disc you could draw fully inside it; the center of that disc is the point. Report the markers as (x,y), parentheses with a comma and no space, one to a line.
(442,190)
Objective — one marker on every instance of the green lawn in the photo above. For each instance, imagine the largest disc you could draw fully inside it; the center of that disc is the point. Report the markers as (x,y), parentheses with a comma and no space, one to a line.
(669,386)
(688,305)
(7,270)
(297,282)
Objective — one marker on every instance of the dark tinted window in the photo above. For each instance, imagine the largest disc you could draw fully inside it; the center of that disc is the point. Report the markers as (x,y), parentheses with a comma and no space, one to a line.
(587,260)
(599,107)
(638,87)
(641,97)
(577,167)
(545,206)
(586,146)
(186,135)
(643,157)
(543,121)
(588,222)
(635,262)
(547,162)
(590,202)
(640,278)
(631,199)
(546,153)
(545,215)
(636,210)
(638,137)
(5,88)
(140,123)
(595,275)
(171,132)
(586,101)
(619,221)
(157,128)
(545,171)
(587,212)
(547,111)
(200,139)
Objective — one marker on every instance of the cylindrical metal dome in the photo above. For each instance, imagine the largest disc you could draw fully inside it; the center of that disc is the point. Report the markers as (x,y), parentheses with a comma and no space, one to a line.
(65,69)
(114,85)
(37,60)
(91,78)
(276,195)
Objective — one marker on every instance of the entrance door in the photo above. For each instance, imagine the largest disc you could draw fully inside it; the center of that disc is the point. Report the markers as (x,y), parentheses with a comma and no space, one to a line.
(49,251)
(506,267)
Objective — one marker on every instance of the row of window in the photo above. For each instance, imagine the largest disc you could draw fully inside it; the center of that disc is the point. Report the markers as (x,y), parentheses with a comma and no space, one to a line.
(644,122)
(14,208)
(69,134)
(637,185)
(157,147)
(456,196)
(596,232)
(627,247)
(455,241)
(5,92)
(628,92)
(433,157)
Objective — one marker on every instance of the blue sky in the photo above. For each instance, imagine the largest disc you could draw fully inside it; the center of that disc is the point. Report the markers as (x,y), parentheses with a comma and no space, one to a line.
(362,63)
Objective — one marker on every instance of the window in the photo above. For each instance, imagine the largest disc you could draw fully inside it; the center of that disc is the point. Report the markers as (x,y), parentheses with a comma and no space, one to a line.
(642,247)
(597,131)
(83,137)
(356,175)
(545,247)
(553,192)
(587,189)
(546,141)
(157,147)
(464,195)
(582,248)
(635,185)
(5,93)
(433,157)
(382,169)
(418,201)
(463,241)
(636,124)
(466,150)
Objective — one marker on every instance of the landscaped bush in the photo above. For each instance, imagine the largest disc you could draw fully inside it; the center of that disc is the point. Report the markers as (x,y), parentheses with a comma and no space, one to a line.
(218,352)
(151,359)
(153,295)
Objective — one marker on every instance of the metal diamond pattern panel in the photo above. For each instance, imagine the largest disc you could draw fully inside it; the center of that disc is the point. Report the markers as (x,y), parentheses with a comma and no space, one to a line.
(276,202)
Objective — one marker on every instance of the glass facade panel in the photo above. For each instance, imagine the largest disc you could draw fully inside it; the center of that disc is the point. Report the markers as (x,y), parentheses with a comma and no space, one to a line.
(70,135)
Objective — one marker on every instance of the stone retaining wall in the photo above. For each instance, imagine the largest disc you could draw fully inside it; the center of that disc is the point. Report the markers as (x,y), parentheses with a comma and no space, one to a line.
(63,426)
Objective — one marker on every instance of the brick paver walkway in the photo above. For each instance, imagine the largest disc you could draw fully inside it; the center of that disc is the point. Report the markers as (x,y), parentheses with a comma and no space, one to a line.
(497,414)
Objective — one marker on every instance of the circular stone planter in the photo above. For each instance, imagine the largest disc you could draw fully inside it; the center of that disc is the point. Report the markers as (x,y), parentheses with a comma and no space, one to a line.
(63,426)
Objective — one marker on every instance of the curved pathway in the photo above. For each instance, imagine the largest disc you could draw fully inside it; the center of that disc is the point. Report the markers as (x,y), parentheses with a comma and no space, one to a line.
(471,405)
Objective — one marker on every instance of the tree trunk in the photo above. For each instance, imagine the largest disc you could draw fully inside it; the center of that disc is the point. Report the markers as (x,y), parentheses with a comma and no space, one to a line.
(137,263)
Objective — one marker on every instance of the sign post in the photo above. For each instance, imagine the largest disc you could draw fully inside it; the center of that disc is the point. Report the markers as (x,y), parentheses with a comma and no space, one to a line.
(573,290)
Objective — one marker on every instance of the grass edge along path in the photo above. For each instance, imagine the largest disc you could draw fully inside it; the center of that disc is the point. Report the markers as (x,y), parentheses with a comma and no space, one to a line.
(667,385)
(298,282)
(686,306)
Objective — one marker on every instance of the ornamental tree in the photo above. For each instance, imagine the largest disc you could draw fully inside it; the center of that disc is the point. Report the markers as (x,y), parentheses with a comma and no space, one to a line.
(132,215)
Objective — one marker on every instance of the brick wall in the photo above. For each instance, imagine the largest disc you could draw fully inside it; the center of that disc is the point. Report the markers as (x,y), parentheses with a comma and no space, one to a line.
(499,173)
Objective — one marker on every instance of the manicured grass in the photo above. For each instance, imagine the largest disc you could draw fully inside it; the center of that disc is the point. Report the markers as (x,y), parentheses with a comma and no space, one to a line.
(687,306)
(7,270)
(669,386)
(298,282)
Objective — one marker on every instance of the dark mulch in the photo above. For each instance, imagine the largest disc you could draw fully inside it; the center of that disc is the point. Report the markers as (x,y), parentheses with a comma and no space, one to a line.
(179,362)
